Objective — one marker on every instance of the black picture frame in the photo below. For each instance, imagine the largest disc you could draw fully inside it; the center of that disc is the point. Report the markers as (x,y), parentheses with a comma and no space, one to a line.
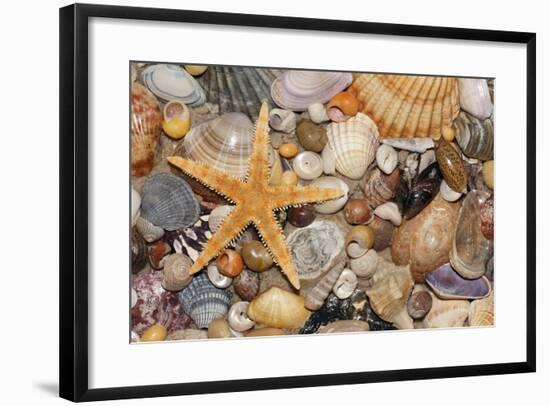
(73,281)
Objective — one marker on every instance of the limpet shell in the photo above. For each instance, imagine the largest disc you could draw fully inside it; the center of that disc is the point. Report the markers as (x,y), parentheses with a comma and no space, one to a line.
(308,165)
(331,182)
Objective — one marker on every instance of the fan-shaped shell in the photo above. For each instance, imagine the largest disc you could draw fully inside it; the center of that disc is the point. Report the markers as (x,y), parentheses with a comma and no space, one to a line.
(203,302)
(354,144)
(408,106)
(474,136)
(146,124)
(278,308)
(169,202)
(482,312)
(296,90)
(172,82)
(447,284)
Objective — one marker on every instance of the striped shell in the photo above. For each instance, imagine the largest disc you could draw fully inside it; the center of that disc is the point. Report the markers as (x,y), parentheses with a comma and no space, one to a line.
(168,202)
(482,312)
(354,144)
(204,302)
(146,124)
(172,82)
(408,106)
(380,188)
(296,90)
(315,298)
(474,136)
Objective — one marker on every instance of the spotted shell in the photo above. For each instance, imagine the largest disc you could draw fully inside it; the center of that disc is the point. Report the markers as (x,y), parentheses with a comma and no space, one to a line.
(379,187)
(451,166)
(474,136)
(278,308)
(172,82)
(408,106)
(169,202)
(203,302)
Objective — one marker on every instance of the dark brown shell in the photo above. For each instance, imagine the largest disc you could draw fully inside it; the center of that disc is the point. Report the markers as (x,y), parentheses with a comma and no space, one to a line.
(301,216)
(486,214)
(379,187)
(419,304)
(451,166)
(247,284)
(383,233)
(312,137)
(357,211)
(139,252)
(424,189)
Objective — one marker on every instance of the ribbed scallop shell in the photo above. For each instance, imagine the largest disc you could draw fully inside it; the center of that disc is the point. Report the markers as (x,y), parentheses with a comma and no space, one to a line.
(474,136)
(408,106)
(354,143)
(296,90)
(168,202)
(172,82)
(146,124)
(482,312)
(204,302)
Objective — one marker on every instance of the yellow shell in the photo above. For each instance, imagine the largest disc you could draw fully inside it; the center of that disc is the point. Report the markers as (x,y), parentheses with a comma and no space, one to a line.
(482,312)
(177,119)
(278,308)
(195,70)
(156,332)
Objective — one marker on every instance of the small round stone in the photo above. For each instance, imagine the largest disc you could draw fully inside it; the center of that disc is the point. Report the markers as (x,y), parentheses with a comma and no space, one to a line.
(448,134)
(420,303)
(301,216)
(288,150)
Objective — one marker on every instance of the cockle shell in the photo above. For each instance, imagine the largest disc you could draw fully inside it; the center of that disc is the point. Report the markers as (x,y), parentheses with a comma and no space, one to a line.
(172,82)
(419,145)
(135,204)
(475,97)
(451,166)
(282,120)
(447,284)
(278,308)
(474,136)
(482,312)
(203,302)
(296,90)
(379,187)
(331,182)
(168,202)
(176,272)
(315,298)
(446,313)
(470,250)
(425,240)
(148,230)
(145,125)
(386,158)
(354,144)
(218,216)
(408,106)
(307,165)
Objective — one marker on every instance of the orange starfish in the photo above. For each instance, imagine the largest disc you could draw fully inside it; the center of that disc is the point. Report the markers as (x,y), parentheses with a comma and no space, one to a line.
(255,202)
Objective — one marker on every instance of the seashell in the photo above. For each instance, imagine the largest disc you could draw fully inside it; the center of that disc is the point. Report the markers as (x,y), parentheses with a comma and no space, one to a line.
(448,134)
(187,334)
(314,248)
(265,331)
(386,158)
(357,211)
(317,113)
(230,263)
(451,166)
(389,292)
(312,137)
(217,279)
(486,215)
(148,230)
(408,106)
(288,150)
(389,211)
(379,187)
(289,178)
(354,144)
(446,313)
(426,159)
(225,143)
(419,145)
(329,160)
(315,298)
(203,302)
(219,328)
(343,106)
(139,252)
(247,284)
(301,216)
(256,256)
(167,201)
(383,233)
(307,165)
(470,250)
(238,318)
(171,82)
(359,240)
(331,182)
(344,326)
(157,251)
(482,312)
(425,240)
(176,272)
(474,136)
(345,285)
(145,125)
(177,119)
(365,266)
(135,204)
(487,170)
(133,297)
(296,90)
(156,332)
(419,304)
(195,70)
(447,284)
(424,189)
(278,308)
(282,120)
(411,163)
(475,97)
(447,193)
(218,216)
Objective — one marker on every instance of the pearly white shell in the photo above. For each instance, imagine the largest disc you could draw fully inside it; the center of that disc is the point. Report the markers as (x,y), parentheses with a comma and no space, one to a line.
(238,319)
(217,279)
(386,158)
(331,182)
(307,165)
(475,97)
(317,113)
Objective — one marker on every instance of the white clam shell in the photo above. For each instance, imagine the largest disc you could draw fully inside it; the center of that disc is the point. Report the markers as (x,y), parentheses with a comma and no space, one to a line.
(419,145)
(217,279)
(135,205)
(386,158)
(329,160)
(172,82)
(389,211)
(308,165)
(282,120)
(365,266)
(317,113)
(331,182)
(345,284)
(447,193)
(475,97)
(238,319)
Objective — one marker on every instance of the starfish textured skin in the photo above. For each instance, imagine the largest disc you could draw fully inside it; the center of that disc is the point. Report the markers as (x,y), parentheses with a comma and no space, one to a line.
(255,202)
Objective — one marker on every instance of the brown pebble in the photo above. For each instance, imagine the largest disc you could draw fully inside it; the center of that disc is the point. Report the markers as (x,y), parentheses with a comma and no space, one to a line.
(419,304)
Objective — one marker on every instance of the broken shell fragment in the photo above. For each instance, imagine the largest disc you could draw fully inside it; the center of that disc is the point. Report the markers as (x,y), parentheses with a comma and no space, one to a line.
(282,120)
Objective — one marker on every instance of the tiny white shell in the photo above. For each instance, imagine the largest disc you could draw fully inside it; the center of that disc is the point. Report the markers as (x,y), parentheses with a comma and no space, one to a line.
(317,113)
(217,279)
(329,160)
(447,193)
(282,120)
(389,211)
(237,317)
(331,182)
(345,284)
(308,165)
(135,206)
(365,266)
(386,158)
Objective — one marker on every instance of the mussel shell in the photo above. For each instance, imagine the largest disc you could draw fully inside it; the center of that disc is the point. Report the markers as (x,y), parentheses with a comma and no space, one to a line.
(448,284)
(424,189)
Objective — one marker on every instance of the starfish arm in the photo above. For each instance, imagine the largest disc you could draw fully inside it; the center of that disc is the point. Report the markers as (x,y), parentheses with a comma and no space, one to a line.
(285,196)
(272,235)
(258,169)
(216,180)
(231,228)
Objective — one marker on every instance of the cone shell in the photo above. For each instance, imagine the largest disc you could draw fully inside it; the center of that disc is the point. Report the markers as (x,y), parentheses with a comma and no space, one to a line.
(146,125)
(474,136)
(354,144)
(482,312)
(408,106)
(278,308)
(446,313)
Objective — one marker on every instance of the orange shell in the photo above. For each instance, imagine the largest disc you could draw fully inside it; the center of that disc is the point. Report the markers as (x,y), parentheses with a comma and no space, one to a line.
(346,102)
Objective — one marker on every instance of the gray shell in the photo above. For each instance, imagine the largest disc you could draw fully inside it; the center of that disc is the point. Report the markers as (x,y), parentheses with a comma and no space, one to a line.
(204,302)
(474,136)
(169,202)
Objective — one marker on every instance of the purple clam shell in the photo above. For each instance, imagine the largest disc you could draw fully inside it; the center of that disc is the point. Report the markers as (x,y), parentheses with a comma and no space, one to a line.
(448,284)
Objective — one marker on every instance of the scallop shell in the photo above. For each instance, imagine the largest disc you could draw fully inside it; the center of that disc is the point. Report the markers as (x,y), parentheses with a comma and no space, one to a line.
(203,302)
(354,144)
(447,284)
(408,106)
(380,188)
(315,298)
(296,90)
(482,312)
(446,313)
(331,182)
(475,97)
(474,136)
(278,308)
(146,127)
(169,202)
(172,82)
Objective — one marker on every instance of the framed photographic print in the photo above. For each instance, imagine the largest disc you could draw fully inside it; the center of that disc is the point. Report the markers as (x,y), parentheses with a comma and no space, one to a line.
(229,188)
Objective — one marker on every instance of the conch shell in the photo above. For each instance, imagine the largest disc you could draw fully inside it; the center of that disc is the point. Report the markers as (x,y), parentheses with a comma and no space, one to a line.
(278,308)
